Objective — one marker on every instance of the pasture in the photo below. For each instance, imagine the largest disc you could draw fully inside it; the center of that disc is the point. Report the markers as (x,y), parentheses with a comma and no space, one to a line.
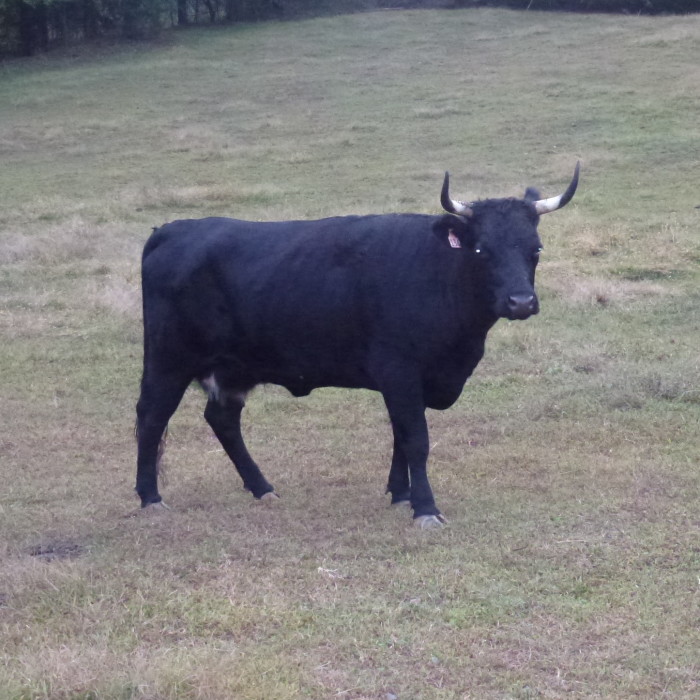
(568,469)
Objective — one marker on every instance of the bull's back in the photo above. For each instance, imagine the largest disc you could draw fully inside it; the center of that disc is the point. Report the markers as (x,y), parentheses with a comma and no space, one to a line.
(286,299)
(277,264)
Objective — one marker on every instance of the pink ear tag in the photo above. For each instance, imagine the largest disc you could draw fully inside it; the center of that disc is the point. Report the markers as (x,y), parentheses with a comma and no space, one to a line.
(454,241)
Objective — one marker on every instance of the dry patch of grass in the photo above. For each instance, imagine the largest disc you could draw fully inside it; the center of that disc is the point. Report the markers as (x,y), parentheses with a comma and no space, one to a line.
(200,196)
(68,240)
(575,289)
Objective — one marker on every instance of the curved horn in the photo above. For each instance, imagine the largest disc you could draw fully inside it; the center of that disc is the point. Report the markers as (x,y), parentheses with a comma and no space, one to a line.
(452,205)
(545,206)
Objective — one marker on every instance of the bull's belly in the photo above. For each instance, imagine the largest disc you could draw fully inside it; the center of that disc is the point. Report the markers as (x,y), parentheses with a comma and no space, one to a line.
(236,374)
(303,383)
(442,383)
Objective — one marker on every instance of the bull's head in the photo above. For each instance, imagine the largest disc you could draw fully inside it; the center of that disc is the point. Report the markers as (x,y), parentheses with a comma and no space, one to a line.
(501,238)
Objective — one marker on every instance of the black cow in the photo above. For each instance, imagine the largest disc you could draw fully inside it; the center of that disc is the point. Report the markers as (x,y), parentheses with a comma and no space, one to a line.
(397,303)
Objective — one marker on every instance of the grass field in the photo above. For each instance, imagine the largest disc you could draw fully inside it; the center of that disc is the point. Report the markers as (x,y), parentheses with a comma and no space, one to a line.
(568,469)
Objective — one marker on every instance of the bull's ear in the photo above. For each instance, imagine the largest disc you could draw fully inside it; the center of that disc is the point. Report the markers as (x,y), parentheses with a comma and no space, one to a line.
(453,231)
(531,194)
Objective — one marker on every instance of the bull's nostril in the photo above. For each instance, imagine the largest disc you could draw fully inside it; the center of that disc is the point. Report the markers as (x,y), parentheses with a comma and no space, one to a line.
(521,301)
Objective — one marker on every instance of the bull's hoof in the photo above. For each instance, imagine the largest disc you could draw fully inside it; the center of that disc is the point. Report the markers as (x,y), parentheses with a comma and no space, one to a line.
(405,503)
(269,498)
(430,522)
(152,508)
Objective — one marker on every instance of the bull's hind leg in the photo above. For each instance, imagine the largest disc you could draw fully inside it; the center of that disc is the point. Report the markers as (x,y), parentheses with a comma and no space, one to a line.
(223,413)
(399,484)
(160,396)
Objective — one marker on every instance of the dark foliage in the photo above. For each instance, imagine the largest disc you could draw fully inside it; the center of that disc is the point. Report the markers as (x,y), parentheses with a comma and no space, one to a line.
(649,7)
(31,26)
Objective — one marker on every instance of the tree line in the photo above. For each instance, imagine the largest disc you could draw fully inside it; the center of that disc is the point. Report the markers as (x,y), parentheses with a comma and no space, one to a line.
(32,26)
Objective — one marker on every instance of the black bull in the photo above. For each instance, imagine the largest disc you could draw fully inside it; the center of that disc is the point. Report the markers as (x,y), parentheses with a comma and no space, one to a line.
(397,303)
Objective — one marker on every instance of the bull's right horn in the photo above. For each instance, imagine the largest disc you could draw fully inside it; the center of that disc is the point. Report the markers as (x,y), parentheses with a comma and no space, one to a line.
(545,206)
(452,205)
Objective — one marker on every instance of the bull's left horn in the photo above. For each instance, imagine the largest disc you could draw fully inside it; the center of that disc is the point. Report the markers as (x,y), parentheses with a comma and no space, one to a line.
(452,205)
(545,206)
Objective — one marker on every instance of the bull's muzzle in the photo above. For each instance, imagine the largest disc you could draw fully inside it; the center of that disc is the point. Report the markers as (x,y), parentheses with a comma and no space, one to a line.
(521,306)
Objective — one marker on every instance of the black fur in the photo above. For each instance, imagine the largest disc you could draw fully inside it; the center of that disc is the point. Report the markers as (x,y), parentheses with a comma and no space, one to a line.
(376,302)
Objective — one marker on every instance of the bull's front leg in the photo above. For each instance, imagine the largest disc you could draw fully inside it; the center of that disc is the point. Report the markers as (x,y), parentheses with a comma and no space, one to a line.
(404,401)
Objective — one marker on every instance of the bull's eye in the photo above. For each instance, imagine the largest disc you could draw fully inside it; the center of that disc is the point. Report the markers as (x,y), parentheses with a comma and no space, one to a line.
(536,254)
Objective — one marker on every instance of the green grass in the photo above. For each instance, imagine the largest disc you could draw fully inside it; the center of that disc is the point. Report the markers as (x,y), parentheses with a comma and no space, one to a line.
(568,469)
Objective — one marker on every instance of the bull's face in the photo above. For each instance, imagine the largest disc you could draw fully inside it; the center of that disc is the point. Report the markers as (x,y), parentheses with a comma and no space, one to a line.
(503,246)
